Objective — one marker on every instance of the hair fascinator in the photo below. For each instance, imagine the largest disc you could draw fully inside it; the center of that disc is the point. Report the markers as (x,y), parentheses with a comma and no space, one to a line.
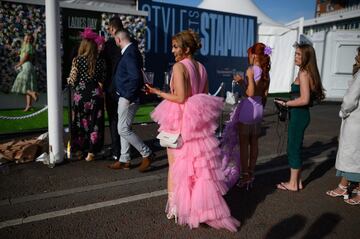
(268,50)
(99,40)
(88,34)
(303,41)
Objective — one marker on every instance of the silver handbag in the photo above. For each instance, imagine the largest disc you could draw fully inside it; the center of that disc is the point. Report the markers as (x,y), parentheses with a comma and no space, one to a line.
(170,140)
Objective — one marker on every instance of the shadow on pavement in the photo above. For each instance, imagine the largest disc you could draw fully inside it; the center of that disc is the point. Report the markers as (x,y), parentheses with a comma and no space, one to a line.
(243,203)
(287,228)
(321,169)
(323,226)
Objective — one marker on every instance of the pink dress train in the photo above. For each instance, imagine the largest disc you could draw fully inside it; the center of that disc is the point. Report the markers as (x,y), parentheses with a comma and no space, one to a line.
(196,173)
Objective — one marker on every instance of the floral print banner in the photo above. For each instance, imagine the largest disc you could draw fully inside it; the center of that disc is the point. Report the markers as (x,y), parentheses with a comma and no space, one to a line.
(17,19)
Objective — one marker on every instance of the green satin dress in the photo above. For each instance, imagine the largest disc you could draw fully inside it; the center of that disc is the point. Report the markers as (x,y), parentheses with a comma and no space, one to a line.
(299,119)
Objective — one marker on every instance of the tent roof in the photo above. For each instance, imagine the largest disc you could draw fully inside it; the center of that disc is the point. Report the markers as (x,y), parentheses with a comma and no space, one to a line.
(244,7)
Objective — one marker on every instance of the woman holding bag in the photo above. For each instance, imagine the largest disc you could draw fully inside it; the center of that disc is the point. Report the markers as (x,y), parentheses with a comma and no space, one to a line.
(195,181)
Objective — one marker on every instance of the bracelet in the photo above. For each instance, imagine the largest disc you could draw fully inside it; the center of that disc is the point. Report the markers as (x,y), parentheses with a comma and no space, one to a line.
(159,94)
(286,105)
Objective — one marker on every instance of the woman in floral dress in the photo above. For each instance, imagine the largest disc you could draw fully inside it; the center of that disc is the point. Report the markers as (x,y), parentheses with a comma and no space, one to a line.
(87,130)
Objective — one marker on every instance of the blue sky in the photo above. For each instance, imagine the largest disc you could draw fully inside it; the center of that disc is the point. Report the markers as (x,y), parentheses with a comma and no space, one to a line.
(282,11)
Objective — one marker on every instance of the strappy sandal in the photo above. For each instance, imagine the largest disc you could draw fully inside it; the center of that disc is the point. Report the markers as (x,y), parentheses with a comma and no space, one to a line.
(344,193)
(246,180)
(171,208)
(353,201)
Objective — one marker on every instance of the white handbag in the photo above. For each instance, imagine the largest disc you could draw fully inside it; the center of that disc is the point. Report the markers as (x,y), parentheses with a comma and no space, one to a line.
(170,140)
(231,98)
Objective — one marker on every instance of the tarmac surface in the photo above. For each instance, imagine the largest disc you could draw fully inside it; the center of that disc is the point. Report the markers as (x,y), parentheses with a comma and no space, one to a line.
(81,199)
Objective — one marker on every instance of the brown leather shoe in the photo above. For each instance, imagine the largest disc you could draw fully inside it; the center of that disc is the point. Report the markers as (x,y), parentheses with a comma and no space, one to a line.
(119,165)
(145,163)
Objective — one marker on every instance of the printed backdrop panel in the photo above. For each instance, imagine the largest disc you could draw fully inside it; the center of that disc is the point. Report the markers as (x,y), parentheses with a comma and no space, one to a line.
(225,39)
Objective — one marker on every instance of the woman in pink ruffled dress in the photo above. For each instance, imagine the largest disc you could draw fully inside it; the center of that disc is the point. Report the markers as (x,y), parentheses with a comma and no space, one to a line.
(195,180)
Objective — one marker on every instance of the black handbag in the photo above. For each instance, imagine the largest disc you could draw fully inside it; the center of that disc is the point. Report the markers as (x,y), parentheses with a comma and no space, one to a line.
(282,111)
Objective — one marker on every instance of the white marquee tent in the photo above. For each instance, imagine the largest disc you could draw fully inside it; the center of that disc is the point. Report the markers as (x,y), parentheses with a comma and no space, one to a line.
(277,36)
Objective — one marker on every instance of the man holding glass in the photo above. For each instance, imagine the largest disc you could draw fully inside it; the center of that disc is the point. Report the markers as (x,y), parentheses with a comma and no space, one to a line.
(129,83)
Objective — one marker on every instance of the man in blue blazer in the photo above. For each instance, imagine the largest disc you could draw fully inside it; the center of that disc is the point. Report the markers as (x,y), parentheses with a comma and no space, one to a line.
(129,82)
(112,55)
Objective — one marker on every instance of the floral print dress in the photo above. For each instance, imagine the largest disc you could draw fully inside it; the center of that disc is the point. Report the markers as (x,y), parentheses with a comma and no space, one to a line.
(87,131)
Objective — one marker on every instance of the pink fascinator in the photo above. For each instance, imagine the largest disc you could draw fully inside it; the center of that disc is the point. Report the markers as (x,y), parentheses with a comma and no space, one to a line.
(100,40)
(88,34)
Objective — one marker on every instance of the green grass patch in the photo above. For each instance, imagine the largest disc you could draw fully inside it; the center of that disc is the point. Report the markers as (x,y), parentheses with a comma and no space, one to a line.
(40,121)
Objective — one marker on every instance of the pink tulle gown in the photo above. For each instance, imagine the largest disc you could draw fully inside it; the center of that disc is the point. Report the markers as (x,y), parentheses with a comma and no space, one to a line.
(198,181)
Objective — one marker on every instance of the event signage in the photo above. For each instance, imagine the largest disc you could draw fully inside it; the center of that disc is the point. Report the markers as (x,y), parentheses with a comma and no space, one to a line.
(225,38)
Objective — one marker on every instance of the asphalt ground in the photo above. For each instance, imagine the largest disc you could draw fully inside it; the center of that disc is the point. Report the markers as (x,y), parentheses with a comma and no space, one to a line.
(81,199)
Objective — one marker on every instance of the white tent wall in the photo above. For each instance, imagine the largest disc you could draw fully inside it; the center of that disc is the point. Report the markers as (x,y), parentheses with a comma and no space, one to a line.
(282,59)
(277,36)
(335,51)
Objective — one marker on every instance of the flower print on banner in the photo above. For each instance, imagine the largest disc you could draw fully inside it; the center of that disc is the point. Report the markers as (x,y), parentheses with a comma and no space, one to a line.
(94,137)
(77,98)
(17,19)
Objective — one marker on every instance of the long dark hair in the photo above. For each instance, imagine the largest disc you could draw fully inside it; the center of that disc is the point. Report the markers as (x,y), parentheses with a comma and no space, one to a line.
(308,64)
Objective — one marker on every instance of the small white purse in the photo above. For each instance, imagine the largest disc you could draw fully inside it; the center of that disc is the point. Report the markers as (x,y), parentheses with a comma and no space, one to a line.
(170,140)
(231,98)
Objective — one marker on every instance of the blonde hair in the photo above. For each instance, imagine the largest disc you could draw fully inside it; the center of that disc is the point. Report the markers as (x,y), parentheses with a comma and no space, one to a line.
(188,39)
(88,49)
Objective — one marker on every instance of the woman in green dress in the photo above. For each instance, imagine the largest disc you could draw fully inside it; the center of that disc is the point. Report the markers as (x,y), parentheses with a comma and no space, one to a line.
(25,82)
(306,88)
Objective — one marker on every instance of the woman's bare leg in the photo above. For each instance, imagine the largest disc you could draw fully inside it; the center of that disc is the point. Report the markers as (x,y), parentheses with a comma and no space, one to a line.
(28,102)
(254,152)
(170,161)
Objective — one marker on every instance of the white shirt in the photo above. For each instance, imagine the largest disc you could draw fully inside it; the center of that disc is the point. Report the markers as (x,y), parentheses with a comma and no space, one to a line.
(124,49)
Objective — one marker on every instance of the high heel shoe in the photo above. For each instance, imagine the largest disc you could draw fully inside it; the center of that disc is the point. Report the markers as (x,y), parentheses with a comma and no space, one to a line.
(353,201)
(246,180)
(344,193)
(90,157)
(171,212)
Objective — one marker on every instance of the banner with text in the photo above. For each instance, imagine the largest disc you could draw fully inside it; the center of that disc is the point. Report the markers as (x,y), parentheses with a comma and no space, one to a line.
(225,38)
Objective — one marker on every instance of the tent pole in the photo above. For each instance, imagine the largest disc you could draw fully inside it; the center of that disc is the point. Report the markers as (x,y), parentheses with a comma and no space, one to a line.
(54,92)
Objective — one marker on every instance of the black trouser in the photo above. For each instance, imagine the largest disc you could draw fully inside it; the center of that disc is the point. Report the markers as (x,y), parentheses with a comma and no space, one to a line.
(111,108)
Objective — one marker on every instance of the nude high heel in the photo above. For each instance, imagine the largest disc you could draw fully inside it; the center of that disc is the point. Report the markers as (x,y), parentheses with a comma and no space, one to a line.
(171,208)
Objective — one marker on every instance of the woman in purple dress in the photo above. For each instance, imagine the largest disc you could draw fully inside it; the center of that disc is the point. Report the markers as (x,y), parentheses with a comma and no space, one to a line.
(240,141)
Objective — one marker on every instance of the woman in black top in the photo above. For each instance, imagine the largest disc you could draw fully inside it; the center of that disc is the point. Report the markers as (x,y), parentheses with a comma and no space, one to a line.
(87,132)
